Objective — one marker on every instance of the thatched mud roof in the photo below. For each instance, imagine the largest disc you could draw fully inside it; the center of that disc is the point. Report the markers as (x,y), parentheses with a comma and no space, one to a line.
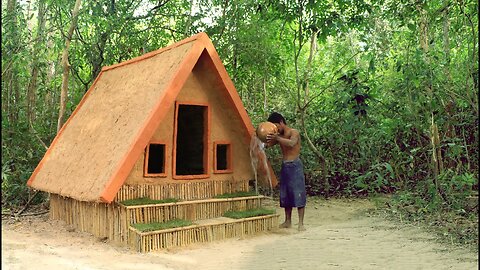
(97,147)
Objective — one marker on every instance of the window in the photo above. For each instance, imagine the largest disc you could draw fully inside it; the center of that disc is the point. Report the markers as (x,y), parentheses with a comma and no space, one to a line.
(155,160)
(223,157)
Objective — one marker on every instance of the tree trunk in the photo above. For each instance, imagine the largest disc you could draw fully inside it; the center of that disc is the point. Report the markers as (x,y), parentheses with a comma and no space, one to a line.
(11,73)
(188,24)
(32,85)
(304,85)
(446,39)
(437,160)
(265,94)
(470,81)
(450,104)
(424,45)
(446,49)
(306,77)
(423,28)
(97,60)
(66,66)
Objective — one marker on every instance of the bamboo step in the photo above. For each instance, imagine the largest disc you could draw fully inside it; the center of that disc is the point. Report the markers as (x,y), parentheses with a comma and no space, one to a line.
(203,231)
(190,210)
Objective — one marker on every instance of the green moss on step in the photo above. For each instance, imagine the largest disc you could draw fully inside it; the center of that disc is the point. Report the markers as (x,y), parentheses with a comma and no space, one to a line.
(249,213)
(236,194)
(142,201)
(155,226)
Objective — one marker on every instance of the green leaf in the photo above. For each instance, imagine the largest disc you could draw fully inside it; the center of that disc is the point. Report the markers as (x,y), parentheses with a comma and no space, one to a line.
(412,27)
(389,168)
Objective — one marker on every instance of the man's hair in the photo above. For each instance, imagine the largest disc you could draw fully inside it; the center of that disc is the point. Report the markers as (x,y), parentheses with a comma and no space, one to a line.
(275,117)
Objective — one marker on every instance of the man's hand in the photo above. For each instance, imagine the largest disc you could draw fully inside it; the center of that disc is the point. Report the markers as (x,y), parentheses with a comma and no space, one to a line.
(271,139)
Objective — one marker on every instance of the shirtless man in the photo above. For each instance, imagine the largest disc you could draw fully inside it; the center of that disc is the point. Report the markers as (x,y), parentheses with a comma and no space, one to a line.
(292,179)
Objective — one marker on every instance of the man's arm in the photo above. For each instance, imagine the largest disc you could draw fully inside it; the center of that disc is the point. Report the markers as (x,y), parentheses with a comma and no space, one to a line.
(290,142)
(270,143)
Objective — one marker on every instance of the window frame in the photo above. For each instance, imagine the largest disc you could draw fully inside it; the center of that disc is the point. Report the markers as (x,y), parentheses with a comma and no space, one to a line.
(206,142)
(229,157)
(147,155)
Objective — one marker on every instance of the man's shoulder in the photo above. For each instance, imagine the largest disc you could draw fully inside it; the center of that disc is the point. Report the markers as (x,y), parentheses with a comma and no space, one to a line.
(294,131)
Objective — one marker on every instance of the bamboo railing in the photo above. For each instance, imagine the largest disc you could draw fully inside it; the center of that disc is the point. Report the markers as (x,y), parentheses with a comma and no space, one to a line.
(113,220)
(183,236)
(184,191)
(190,210)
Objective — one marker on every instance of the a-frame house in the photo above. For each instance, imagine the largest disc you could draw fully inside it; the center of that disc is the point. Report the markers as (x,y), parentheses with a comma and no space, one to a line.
(167,124)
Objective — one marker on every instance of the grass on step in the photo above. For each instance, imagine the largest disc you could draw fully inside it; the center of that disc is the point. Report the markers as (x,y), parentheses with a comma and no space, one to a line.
(236,194)
(142,201)
(154,226)
(249,213)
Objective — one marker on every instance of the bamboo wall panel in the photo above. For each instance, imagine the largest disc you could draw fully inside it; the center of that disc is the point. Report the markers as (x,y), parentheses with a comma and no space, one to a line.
(99,219)
(177,237)
(183,190)
(190,210)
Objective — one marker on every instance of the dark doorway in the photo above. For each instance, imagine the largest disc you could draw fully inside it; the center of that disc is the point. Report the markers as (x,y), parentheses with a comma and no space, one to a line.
(191,140)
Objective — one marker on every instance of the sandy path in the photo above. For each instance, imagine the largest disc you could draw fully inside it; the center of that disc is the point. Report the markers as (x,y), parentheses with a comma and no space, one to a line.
(339,236)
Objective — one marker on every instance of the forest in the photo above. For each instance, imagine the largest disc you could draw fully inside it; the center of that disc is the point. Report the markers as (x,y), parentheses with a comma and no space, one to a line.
(383,92)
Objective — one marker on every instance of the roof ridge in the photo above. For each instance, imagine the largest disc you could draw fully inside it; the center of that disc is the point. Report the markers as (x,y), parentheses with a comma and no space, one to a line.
(199,36)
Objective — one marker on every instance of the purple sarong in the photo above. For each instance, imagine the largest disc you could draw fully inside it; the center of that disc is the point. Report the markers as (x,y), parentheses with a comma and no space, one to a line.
(292,184)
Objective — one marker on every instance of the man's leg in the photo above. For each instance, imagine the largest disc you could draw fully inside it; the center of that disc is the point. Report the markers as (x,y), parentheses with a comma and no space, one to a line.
(301,213)
(288,218)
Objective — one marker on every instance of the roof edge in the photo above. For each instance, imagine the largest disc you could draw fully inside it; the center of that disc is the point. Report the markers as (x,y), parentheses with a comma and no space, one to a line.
(200,35)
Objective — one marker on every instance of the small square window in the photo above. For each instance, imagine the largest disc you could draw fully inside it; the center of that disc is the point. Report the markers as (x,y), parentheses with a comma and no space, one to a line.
(155,160)
(223,157)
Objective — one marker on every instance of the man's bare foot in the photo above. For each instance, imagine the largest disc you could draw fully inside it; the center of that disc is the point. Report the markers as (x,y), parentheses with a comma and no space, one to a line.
(285,225)
(301,228)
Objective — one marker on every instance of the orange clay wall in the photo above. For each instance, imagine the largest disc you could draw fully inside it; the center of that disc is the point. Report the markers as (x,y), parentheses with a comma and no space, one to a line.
(202,87)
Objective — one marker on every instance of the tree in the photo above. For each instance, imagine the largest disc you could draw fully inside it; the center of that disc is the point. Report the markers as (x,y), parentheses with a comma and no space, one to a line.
(38,43)
(66,65)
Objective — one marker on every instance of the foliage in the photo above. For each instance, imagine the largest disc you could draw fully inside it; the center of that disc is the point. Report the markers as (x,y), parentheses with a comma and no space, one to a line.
(364,82)
(249,213)
(145,201)
(454,226)
(156,226)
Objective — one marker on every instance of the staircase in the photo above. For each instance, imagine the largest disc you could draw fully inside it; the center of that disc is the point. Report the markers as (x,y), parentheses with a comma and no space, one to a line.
(207,217)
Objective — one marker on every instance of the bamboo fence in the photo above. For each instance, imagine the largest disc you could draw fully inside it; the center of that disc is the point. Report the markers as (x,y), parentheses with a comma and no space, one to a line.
(183,236)
(185,191)
(113,220)
(99,219)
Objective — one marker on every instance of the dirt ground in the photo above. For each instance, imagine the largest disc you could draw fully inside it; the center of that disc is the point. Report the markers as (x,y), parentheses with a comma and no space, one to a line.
(340,235)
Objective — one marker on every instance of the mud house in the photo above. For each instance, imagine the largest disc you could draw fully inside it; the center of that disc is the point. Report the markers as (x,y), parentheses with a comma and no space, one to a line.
(168,124)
